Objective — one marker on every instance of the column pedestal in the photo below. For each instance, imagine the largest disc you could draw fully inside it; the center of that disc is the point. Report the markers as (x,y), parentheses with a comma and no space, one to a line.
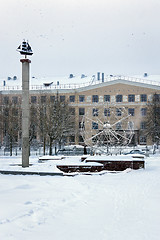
(25,112)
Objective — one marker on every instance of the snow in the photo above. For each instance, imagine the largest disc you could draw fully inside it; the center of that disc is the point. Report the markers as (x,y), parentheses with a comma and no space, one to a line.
(77,81)
(131,157)
(51,80)
(122,206)
(66,163)
(48,157)
(149,77)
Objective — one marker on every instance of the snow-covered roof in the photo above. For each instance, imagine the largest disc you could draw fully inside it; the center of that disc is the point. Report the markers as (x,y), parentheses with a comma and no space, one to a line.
(74,82)
(147,77)
(36,83)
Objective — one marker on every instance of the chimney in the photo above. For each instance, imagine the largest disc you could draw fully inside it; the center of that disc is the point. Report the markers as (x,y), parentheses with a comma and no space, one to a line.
(71,75)
(145,74)
(98,76)
(102,77)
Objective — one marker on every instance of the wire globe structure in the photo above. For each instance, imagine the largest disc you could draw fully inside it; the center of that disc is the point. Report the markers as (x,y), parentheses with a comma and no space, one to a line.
(105,128)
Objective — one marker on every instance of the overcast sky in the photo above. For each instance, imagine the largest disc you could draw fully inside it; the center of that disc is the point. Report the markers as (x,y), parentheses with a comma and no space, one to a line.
(81,36)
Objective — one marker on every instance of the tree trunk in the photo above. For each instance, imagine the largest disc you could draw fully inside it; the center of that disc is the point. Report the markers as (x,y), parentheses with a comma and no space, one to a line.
(29,149)
(50,146)
(55,149)
(44,145)
(10,148)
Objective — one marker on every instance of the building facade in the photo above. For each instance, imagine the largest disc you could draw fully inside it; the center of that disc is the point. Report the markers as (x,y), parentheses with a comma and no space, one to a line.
(99,99)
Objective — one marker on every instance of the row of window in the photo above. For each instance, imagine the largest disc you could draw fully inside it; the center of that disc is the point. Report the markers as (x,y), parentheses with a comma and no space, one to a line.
(107,111)
(14,100)
(119,98)
(119,125)
(52,98)
(14,112)
(95,98)
(34,99)
(142,139)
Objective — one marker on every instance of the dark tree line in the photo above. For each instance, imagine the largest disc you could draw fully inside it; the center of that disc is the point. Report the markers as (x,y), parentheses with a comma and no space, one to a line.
(153,119)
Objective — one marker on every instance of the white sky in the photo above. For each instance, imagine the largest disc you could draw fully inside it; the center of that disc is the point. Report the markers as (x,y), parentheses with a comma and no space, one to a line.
(81,36)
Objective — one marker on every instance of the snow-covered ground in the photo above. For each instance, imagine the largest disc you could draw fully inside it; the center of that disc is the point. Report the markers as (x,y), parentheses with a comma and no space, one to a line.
(113,206)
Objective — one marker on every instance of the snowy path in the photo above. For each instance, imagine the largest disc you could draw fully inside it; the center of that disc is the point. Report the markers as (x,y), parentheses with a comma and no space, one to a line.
(107,207)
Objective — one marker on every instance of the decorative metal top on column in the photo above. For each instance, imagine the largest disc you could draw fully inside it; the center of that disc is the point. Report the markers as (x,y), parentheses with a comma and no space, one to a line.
(25,49)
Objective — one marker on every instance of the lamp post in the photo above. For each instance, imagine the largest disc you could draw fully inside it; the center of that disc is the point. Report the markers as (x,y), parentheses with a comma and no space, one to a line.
(25,49)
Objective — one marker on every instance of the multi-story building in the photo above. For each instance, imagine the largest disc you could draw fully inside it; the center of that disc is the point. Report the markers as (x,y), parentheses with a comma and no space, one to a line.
(111,92)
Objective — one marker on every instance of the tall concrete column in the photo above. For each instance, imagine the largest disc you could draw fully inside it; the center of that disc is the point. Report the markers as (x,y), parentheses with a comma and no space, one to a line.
(25,112)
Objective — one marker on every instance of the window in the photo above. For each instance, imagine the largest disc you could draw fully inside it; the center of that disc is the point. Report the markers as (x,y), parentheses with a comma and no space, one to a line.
(62,98)
(72,138)
(156,97)
(34,131)
(52,99)
(81,111)
(107,112)
(33,99)
(143,98)
(81,138)
(143,112)
(131,111)
(157,111)
(72,98)
(143,140)
(95,112)
(130,125)
(131,98)
(33,112)
(72,111)
(81,98)
(81,125)
(43,99)
(14,100)
(119,98)
(95,98)
(6,100)
(106,98)
(15,112)
(94,139)
(118,112)
(6,112)
(94,125)
(143,125)
(118,126)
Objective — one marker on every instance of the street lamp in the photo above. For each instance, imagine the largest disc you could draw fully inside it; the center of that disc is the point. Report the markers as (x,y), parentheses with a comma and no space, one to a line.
(25,49)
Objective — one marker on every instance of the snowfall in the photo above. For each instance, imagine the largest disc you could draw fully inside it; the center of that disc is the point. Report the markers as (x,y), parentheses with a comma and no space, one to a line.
(110,206)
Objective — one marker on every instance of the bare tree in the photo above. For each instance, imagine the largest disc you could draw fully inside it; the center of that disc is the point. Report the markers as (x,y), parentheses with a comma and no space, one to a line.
(52,121)
(10,115)
(56,122)
(42,125)
(33,128)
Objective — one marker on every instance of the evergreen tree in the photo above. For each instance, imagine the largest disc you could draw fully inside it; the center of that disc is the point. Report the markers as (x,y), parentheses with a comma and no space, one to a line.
(153,119)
